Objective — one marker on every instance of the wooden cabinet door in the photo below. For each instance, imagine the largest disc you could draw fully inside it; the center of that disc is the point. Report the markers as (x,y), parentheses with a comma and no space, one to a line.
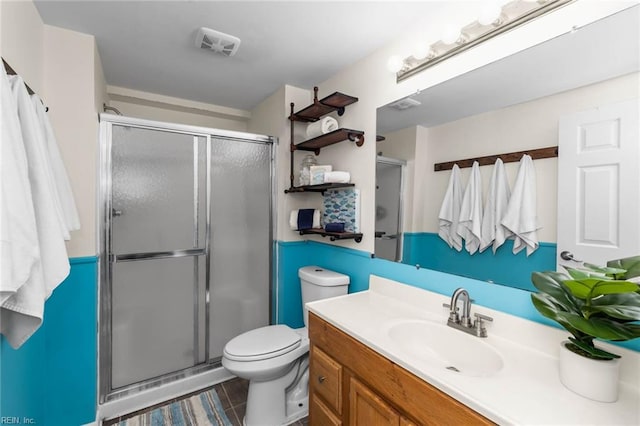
(320,414)
(368,409)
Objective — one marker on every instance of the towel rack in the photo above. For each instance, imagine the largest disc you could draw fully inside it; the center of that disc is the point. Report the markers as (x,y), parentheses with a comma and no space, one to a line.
(11,71)
(509,157)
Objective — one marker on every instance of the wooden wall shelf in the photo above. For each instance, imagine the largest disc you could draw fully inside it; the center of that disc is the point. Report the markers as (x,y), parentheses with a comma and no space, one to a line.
(334,102)
(333,235)
(318,188)
(330,138)
(510,157)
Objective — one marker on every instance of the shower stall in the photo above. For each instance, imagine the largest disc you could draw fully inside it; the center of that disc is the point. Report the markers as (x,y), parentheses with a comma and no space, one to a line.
(186,246)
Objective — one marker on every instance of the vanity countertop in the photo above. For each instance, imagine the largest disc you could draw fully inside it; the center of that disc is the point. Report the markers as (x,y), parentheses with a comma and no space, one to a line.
(527,390)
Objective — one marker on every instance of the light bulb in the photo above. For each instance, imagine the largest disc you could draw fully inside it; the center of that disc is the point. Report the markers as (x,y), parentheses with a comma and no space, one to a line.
(395,63)
(490,13)
(450,34)
(421,51)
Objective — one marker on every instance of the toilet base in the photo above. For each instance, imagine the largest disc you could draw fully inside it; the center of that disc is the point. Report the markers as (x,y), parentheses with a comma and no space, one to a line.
(268,407)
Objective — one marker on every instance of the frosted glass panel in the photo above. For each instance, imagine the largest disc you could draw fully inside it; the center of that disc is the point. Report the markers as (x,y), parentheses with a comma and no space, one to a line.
(241,239)
(153,190)
(152,318)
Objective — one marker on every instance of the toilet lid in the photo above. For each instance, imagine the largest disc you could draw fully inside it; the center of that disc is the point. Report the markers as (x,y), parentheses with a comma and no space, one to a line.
(262,343)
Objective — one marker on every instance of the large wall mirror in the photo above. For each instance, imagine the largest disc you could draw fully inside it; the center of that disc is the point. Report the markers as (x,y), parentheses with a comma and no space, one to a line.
(514,104)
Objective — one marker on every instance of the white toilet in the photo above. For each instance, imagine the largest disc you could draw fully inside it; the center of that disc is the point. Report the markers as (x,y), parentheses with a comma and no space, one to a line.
(275,359)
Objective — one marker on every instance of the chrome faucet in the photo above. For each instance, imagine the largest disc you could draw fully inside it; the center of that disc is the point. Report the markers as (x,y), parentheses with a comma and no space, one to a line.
(464,322)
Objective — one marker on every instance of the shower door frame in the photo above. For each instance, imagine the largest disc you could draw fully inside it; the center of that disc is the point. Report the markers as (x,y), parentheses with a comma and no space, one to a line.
(105,255)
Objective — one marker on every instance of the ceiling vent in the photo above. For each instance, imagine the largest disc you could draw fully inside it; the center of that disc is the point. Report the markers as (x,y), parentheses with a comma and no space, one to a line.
(405,103)
(221,43)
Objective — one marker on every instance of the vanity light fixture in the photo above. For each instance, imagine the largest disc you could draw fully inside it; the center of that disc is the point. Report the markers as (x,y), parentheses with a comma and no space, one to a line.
(493,20)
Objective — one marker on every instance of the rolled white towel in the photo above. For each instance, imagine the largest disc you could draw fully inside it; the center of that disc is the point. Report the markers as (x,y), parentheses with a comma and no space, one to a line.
(322,126)
(337,177)
(293,219)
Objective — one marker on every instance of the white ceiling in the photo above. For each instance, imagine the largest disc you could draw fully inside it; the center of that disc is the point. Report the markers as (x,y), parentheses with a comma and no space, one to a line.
(149,45)
(597,52)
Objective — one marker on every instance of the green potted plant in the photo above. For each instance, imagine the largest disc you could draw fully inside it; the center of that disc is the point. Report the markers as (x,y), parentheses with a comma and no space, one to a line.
(591,302)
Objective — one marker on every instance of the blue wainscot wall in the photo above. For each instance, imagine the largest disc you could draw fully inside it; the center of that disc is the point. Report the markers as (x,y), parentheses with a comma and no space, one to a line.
(429,251)
(359,265)
(51,379)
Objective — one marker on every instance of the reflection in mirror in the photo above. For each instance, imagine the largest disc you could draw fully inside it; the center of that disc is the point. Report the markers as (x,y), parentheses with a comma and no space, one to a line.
(515,104)
(389,184)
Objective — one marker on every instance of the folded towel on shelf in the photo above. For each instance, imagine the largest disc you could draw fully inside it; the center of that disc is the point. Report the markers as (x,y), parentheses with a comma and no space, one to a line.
(293,219)
(321,127)
(334,227)
(450,211)
(493,232)
(470,220)
(337,177)
(521,216)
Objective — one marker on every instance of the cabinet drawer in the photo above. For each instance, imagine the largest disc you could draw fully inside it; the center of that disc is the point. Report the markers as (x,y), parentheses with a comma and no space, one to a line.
(320,414)
(326,379)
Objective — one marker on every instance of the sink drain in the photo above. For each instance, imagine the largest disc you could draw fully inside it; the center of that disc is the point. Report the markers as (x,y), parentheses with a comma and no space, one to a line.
(452,368)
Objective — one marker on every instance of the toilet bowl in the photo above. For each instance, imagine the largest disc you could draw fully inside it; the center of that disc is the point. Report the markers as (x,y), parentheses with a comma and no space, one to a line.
(275,358)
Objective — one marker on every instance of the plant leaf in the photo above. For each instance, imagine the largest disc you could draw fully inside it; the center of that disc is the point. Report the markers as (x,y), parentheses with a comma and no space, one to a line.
(608,270)
(631,264)
(578,274)
(602,328)
(592,350)
(546,305)
(624,306)
(594,287)
(628,313)
(550,283)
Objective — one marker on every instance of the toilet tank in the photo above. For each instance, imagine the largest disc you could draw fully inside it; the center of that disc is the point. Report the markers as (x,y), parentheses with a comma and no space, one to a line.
(319,283)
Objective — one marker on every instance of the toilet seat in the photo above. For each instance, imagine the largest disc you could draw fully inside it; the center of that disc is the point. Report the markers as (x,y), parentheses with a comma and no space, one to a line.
(262,343)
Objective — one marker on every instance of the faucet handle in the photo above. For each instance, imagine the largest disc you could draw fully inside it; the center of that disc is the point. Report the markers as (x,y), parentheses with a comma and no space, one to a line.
(453,313)
(481,317)
(481,331)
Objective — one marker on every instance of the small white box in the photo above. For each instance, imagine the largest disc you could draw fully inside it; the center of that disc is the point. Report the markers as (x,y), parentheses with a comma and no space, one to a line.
(317,173)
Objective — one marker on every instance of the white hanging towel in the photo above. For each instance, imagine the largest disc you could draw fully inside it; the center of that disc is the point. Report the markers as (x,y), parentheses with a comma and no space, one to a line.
(53,252)
(493,232)
(66,203)
(470,222)
(19,250)
(521,216)
(450,211)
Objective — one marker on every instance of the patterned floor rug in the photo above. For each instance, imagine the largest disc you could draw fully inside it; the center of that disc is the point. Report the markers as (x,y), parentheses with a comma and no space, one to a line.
(202,409)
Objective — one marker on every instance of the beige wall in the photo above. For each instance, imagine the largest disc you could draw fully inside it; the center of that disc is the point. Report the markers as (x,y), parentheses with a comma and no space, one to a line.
(270,117)
(525,126)
(22,41)
(73,91)
(64,68)
(151,106)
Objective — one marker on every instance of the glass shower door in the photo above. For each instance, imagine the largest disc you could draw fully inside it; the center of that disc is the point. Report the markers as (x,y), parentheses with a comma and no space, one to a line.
(158,252)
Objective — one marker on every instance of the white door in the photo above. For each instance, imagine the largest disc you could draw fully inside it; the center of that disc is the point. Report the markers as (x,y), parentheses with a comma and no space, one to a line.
(599,183)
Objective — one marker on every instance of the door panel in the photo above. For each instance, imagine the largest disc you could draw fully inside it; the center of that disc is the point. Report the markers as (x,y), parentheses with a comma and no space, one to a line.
(152,318)
(241,239)
(153,203)
(598,175)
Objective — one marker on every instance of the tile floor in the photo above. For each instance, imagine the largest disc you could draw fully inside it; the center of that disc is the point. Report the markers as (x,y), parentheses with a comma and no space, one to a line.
(232,394)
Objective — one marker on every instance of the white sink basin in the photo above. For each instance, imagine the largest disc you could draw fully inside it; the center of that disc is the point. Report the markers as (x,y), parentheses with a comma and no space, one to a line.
(455,350)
